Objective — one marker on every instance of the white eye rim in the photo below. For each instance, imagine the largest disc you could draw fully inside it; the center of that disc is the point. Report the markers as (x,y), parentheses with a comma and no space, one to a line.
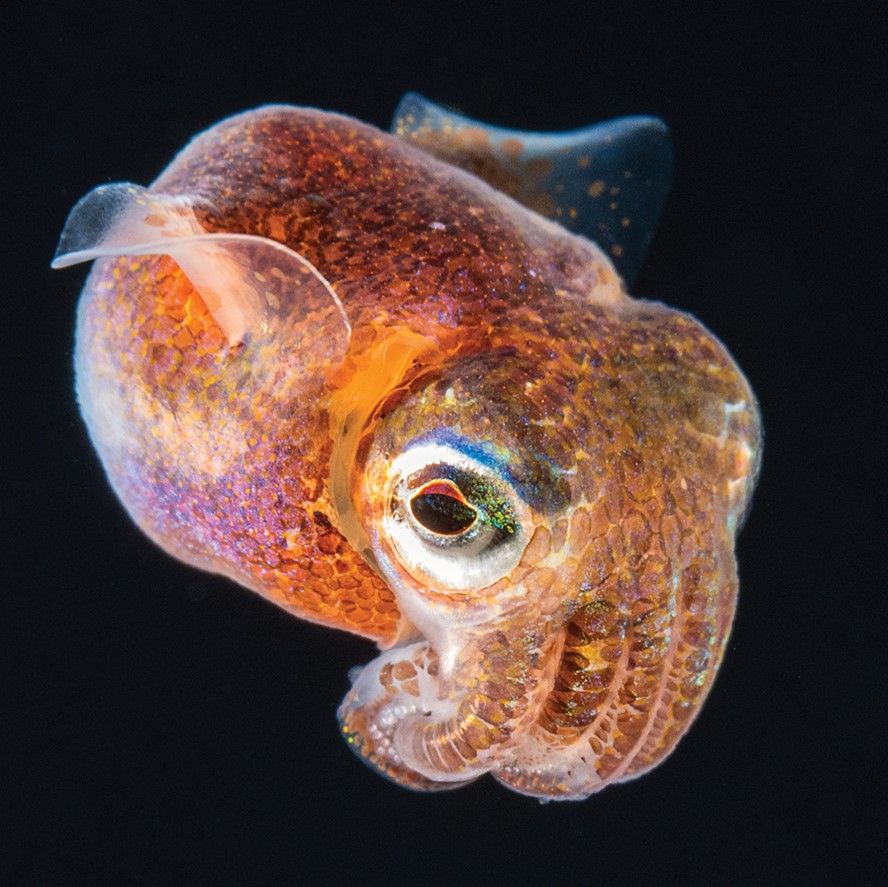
(448,565)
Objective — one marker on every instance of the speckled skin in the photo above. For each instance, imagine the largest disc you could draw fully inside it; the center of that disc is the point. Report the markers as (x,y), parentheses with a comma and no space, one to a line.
(632,435)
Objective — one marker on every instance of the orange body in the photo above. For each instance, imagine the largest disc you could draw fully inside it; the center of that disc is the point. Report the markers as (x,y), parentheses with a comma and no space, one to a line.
(618,440)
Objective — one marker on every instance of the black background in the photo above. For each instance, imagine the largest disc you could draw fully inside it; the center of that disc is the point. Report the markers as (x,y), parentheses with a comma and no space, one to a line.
(163,725)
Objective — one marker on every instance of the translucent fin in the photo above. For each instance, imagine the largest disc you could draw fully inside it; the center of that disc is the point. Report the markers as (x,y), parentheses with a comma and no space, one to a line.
(607,182)
(250,284)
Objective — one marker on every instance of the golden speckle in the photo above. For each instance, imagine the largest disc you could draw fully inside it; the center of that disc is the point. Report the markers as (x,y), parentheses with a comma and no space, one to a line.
(512,148)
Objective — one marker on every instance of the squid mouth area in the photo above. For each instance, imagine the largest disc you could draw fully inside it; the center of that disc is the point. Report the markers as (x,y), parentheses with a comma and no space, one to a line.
(413,728)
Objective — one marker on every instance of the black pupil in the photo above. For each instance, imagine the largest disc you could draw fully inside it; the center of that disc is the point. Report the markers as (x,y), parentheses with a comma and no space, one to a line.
(441,513)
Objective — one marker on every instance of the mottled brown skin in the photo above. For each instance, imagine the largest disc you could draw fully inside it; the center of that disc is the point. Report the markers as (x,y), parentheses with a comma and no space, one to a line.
(614,410)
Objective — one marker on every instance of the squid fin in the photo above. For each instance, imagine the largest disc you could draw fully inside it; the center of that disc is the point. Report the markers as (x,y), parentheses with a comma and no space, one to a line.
(607,182)
(249,284)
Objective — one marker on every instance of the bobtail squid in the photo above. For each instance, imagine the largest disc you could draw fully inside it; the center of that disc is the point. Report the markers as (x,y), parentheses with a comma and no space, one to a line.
(395,384)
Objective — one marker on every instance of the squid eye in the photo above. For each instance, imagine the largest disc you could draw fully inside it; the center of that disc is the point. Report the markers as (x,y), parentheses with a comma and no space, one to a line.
(441,508)
(453,522)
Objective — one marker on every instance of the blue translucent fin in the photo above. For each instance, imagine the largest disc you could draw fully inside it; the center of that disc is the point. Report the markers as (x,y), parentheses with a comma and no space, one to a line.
(251,285)
(607,182)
